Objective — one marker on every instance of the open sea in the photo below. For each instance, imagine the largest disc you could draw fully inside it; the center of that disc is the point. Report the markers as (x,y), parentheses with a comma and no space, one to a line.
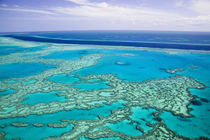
(105,85)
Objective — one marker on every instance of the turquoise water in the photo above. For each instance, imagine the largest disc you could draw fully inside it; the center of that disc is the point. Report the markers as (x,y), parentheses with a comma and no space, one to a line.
(63,78)
(18,70)
(193,126)
(6,92)
(75,114)
(126,127)
(143,116)
(11,81)
(69,55)
(199,125)
(35,98)
(188,127)
(34,133)
(143,66)
(6,50)
(28,55)
(149,65)
(29,82)
(139,114)
(94,80)
(92,86)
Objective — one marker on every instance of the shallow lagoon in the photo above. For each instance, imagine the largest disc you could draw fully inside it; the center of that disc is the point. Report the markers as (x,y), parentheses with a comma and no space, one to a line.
(6,50)
(125,127)
(6,92)
(35,98)
(75,114)
(92,86)
(19,70)
(69,55)
(193,126)
(64,78)
(143,116)
(26,133)
(139,66)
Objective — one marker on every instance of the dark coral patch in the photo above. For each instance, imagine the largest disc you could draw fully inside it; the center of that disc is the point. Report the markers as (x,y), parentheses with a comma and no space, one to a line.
(183,119)
(157,119)
(204,100)
(196,102)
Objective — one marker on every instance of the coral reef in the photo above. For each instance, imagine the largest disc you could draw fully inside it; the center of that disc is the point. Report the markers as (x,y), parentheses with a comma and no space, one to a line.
(167,94)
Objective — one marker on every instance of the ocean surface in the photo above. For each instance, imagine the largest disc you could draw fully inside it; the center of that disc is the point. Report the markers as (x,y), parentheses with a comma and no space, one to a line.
(75,84)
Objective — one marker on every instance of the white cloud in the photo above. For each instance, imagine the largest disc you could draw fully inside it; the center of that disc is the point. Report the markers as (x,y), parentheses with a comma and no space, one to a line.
(88,3)
(27,10)
(142,17)
(104,10)
(79,1)
(200,6)
(102,14)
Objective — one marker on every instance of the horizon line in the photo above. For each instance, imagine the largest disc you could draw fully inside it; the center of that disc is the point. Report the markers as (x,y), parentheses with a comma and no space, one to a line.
(186,31)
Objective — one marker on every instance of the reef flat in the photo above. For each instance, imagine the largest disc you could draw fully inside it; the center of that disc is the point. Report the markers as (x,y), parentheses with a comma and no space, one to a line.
(170,94)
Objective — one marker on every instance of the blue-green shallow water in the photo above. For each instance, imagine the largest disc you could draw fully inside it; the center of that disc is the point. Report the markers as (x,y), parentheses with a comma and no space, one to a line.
(63,78)
(139,114)
(34,133)
(143,116)
(148,65)
(70,55)
(6,50)
(6,92)
(29,82)
(199,125)
(125,127)
(144,65)
(193,126)
(35,98)
(76,114)
(18,70)
(92,86)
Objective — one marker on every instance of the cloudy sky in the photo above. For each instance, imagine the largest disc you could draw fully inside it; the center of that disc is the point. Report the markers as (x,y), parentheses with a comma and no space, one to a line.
(53,15)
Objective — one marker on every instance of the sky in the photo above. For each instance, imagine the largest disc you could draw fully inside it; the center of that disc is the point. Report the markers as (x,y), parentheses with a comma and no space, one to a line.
(62,15)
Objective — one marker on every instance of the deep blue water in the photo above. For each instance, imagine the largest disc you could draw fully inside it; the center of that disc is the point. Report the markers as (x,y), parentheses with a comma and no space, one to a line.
(141,36)
(173,40)
(115,43)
